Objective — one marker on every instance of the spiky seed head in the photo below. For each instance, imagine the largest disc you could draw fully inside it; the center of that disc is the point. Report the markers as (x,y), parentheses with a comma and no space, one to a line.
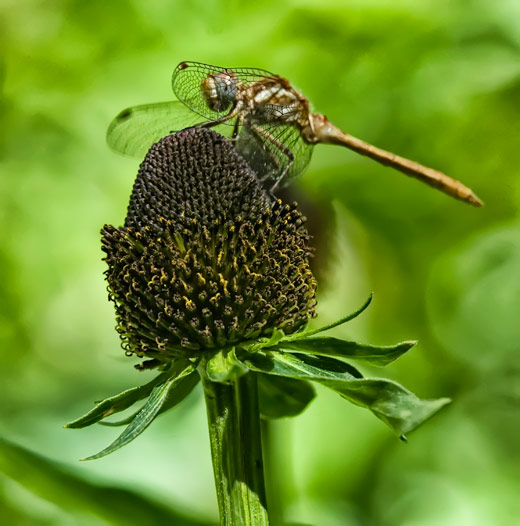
(205,260)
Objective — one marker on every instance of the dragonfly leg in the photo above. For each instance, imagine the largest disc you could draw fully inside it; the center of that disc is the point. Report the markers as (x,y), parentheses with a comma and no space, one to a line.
(235,128)
(209,124)
(281,146)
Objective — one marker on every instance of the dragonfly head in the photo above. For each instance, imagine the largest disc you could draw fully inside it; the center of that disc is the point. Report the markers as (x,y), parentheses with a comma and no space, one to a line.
(219,90)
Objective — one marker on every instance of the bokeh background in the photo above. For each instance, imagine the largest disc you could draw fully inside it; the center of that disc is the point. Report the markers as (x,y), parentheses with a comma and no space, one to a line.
(435,81)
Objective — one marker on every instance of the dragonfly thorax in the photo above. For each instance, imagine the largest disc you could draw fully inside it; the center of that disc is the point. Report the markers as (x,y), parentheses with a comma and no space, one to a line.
(219,91)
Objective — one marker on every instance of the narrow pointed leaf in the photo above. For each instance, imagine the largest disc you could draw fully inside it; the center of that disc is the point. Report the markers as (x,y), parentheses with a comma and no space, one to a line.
(349,317)
(147,414)
(281,397)
(325,364)
(141,421)
(305,367)
(224,366)
(334,347)
(122,422)
(72,491)
(393,404)
(177,394)
(117,403)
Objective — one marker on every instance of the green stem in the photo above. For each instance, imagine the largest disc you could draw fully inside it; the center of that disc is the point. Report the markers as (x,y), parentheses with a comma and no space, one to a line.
(236,450)
(272,467)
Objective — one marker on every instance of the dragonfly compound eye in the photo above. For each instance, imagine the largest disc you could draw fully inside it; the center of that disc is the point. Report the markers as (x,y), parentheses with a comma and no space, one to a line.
(219,91)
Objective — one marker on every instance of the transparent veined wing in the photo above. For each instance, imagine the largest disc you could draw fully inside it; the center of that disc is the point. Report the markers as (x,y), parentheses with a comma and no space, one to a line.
(266,146)
(301,150)
(135,129)
(188,76)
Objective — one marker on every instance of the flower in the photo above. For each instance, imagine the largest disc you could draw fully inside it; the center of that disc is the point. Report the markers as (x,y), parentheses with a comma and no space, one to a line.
(205,259)
(211,281)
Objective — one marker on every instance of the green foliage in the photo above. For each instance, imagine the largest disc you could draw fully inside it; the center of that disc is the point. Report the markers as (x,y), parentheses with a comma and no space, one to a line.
(170,388)
(393,404)
(73,493)
(281,397)
(390,402)
(224,366)
(142,419)
(372,354)
(117,403)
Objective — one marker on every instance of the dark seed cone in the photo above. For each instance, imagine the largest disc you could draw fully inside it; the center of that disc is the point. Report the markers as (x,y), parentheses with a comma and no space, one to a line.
(205,260)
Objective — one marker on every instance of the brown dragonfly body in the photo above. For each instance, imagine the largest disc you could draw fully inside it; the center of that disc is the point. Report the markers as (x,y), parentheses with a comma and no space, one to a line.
(272,124)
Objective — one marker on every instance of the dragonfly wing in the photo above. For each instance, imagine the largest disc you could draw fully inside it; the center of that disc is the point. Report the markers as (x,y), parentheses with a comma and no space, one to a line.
(186,84)
(135,129)
(267,154)
(188,77)
(292,138)
(265,163)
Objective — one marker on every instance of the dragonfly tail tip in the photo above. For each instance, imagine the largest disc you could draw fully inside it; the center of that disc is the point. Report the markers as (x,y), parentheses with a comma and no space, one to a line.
(474,200)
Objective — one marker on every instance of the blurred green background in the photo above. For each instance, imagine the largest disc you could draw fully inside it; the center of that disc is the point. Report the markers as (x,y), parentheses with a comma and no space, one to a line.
(435,81)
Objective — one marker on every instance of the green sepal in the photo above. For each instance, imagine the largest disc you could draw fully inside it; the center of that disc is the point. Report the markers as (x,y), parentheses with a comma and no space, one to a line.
(281,397)
(277,336)
(123,422)
(326,364)
(147,414)
(224,366)
(336,348)
(178,393)
(341,321)
(399,408)
(117,403)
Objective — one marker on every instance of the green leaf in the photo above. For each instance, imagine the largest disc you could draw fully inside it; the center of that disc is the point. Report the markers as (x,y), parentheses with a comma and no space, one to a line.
(301,368)
(349,317)
(117,403)
(224,366)
(327,364)
(70,490)
(281,397)
(147,414)
(178,393)
(393,404)
(334,347)
(124,421)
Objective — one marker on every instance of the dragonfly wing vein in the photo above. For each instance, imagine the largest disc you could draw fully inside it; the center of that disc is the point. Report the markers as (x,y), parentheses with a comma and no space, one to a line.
(135,129)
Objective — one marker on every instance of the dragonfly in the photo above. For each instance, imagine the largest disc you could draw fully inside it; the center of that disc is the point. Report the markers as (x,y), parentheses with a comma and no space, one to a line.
(269,121)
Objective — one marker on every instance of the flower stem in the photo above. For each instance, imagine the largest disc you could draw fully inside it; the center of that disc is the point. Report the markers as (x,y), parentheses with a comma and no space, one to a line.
(236,450)
(272,466)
